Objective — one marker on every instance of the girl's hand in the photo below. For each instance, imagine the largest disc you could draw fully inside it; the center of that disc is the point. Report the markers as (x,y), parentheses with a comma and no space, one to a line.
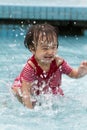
(82,70)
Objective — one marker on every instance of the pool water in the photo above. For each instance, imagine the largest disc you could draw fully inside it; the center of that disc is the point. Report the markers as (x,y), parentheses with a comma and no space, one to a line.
(55,113)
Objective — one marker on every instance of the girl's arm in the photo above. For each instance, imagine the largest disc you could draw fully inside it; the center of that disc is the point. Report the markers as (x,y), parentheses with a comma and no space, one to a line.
(26,94)
(80,71)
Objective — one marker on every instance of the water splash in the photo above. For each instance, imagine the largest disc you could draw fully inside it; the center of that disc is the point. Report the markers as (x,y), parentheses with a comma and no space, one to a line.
(8,86)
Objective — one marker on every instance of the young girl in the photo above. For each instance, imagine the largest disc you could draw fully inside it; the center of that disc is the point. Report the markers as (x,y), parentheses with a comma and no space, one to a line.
(43,71)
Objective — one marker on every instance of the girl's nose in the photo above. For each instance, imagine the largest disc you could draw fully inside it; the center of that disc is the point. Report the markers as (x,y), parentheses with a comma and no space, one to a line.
(50,51)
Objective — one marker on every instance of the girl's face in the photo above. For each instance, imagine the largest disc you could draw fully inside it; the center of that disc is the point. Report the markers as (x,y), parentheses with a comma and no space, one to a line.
(45,52)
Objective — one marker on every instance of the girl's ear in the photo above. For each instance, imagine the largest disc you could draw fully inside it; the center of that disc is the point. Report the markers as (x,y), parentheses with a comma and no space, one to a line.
(32,49)
(33,52)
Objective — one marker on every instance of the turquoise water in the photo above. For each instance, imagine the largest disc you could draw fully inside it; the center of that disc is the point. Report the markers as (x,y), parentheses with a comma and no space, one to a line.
(56,113)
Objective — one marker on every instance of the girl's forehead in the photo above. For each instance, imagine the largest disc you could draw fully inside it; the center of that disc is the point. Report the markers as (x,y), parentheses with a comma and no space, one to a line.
(47,44)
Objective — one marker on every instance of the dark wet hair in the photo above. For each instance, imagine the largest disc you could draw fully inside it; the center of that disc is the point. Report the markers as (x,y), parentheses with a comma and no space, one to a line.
(34,32)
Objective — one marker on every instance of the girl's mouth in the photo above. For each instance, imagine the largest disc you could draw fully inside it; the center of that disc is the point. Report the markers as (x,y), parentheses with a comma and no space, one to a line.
(48,57)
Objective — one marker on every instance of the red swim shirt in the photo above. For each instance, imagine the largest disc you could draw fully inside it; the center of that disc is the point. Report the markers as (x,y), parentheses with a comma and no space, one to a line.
(43,82)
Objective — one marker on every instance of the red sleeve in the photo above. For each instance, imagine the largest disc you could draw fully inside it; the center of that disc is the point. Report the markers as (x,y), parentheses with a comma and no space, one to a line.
(65,68)
(28,73)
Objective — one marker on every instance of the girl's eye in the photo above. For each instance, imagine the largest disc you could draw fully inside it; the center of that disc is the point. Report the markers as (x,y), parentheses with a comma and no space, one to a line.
(54,47)
(45,48)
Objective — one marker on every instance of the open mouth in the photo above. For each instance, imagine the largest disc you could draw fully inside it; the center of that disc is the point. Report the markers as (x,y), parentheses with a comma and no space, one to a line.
(48,57)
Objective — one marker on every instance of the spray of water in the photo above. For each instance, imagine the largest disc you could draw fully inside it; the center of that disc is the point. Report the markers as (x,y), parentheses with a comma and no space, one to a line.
(9,89)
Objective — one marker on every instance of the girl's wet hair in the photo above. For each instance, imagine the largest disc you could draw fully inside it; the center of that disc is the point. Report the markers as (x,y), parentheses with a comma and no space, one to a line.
(37,32)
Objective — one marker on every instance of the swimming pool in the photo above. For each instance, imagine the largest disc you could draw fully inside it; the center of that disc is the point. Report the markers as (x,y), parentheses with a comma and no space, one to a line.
(56,113)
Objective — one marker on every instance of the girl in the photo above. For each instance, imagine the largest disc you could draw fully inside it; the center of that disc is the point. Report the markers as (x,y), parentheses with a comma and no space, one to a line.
(43,71)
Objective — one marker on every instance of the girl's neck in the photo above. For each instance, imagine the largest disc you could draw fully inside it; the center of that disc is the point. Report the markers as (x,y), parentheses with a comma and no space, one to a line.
(44,66)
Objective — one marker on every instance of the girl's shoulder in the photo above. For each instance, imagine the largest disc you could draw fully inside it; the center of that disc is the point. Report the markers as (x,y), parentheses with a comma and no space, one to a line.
(59,60)
(30,63)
